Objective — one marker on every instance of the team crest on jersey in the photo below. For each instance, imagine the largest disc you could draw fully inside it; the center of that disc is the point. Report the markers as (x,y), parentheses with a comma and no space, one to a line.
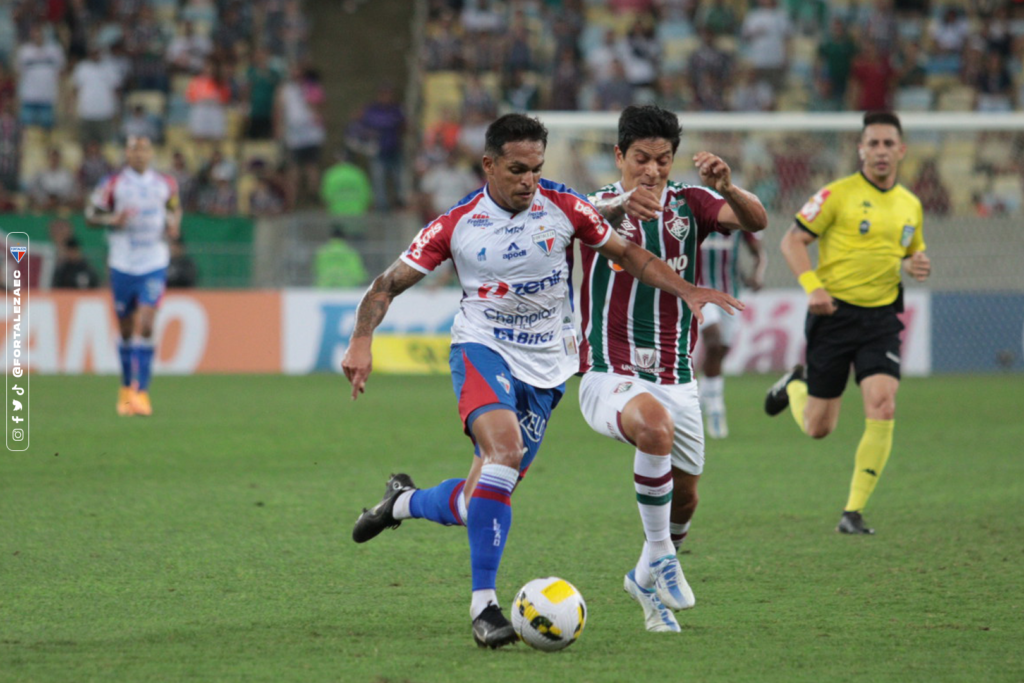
(679,227)
(623,388)
(545,239)
(505,384)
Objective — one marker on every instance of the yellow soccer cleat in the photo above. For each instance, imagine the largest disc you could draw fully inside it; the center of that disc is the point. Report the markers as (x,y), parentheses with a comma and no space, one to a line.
(125,397)
(141,404)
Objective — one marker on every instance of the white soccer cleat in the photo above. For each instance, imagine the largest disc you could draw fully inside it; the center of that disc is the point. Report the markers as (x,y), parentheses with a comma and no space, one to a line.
(717,427)
(658,618)
(670,584)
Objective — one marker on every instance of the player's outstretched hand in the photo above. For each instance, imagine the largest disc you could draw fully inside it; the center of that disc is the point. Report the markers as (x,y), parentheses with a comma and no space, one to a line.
(821,302)
(357,365)
(697,297)
(642,203)
(919,266)
(714,172)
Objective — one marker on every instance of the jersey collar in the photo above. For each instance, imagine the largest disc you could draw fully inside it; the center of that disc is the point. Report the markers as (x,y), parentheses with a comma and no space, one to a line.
(498,209)
(868,181)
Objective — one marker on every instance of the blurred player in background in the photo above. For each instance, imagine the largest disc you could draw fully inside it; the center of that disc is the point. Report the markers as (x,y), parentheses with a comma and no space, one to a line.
(141,209)
(719,258)
(513,341)
(639,384)
(868,225)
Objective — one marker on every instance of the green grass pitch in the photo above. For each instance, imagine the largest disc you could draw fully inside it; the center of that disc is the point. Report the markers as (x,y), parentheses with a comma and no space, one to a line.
(212,541)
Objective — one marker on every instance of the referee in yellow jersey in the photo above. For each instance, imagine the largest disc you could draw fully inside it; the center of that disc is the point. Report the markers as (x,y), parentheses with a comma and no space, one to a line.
(868,226)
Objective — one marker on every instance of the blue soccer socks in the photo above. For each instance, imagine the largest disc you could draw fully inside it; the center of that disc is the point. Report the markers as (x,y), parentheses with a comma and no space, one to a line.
(442,504)
(489,521)
(124,351)
(142,350)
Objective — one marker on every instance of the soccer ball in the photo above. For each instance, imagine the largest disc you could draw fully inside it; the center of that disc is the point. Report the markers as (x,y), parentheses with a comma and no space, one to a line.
(549,614)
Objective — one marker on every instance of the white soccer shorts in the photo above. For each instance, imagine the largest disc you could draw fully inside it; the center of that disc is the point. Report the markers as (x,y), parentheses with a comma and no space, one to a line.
(727,324)
(603,396)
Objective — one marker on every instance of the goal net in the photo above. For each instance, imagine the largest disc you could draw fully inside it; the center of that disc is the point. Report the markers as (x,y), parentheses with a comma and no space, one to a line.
(966,168)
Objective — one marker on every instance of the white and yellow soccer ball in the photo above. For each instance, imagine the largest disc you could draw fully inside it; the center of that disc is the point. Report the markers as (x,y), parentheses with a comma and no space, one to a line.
(549,614)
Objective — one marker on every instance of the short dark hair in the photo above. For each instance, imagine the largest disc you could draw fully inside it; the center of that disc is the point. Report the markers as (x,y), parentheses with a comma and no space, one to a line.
(885,118)
(648,121)
(513,128)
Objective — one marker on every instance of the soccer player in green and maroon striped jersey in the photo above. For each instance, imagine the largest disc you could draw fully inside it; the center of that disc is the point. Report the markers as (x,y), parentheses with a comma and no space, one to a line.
(639,385)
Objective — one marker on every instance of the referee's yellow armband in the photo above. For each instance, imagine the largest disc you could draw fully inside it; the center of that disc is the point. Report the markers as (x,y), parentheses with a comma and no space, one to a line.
(810,281)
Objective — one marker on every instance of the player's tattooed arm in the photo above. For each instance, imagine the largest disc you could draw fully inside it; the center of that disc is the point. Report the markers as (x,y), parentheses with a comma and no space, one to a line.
(358,361)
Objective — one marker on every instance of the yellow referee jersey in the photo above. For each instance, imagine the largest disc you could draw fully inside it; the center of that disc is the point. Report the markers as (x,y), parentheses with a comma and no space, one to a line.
(864,235)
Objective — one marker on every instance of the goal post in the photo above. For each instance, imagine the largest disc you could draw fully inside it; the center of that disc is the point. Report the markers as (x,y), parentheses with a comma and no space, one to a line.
(968,170)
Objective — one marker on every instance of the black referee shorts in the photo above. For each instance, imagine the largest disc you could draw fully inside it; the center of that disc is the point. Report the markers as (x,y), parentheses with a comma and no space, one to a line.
(866,338)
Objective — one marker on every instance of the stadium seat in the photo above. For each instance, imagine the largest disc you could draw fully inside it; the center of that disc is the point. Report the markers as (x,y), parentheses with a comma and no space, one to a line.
(914,99)
(1008,189)
(441,90)
(71,154)
(959,98)
(153,101)
(267,150)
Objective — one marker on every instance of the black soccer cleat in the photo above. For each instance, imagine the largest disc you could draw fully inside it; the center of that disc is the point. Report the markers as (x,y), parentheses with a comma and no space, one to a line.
(491,629)
(777,399)
(380,516)
(852,523)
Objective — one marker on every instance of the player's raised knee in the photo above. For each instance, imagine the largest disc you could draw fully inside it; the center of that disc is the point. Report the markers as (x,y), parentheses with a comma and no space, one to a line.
(652,427)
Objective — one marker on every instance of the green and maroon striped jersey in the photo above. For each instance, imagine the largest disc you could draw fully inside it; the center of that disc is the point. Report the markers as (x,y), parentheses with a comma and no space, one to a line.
(635,329)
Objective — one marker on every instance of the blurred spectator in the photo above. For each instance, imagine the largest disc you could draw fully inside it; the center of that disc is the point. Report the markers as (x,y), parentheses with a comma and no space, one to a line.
(117,59)
(39,66)
(94,168)
(871,78)
(346,190)
(751,94)
(715,64)
(261,83)
(477,98)
(10,147)
(385,119)
(337,264)
(911,71)
(97,98)
(616,93)
(8,85)
(639,53)
(53,188)
(521,94)
(478,17)
(141,124)
(299,125)
(997,32)
(294,32)
(146,45)
(78,20)
(181,271)
(930,189)
(444,185)
(72,271)
(473,135)
(766,32)
(879,26)
(565,82)
(995,87)
(518,56)
(601,59)
(188,51)
(837,52)
(949,34)
(187,182)
(443,136)
(208,95)
(265,199)
(220,197)
(718,17)
(231,27)
(442,48)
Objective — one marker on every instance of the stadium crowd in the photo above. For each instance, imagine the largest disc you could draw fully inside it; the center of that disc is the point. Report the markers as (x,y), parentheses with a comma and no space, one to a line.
(480,57)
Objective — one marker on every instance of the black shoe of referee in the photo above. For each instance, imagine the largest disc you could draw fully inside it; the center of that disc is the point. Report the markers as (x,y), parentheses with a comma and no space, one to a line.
(777,399)
(853,523)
